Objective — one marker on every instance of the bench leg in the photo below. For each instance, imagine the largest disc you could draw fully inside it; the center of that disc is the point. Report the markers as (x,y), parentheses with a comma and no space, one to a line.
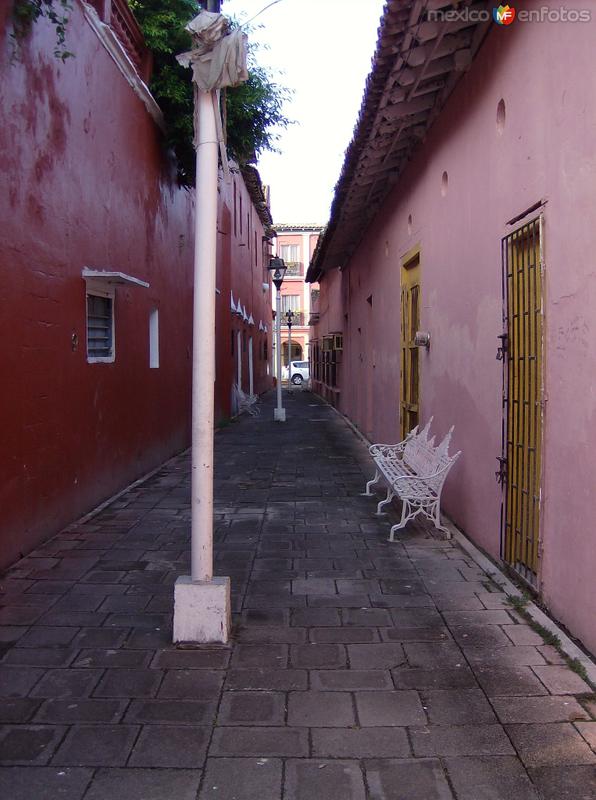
(436,518)
(384,502)
(372,482)
(405,516)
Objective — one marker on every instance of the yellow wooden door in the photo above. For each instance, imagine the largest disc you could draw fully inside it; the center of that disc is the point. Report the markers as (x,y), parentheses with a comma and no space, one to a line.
(409,405)
(523,393)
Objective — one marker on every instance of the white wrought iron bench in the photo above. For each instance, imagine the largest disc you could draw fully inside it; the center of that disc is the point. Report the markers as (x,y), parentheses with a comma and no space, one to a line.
(246,402)
(414,470)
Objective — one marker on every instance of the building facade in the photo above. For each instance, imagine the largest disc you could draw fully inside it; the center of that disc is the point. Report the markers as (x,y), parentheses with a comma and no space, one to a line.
(461,212)
(243,305)
(296,244)
(96,264)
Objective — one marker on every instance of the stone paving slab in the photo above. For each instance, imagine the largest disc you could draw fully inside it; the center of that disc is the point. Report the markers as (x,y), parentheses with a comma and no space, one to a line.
(565,782)
(144,784)
(333,780)
(359,669)
(415,779)
(557,744)
(242,779)
(490,777)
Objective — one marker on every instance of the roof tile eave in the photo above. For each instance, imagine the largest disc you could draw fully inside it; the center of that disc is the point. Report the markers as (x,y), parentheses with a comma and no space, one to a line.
(393,113)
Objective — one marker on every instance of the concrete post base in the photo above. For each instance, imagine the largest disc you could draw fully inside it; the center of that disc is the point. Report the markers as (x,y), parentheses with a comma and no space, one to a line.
(279,414)
(202,610)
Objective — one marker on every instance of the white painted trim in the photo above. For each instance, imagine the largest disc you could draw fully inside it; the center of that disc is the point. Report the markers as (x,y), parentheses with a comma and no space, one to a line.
(239,363)
(251,388)
(154,338)
(111,277)
(110,41)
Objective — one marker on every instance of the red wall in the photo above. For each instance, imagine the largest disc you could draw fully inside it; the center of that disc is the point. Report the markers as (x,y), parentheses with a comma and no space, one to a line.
(243,257)
(84,183)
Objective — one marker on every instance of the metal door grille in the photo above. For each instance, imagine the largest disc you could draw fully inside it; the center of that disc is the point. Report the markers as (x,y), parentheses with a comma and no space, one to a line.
(522,398)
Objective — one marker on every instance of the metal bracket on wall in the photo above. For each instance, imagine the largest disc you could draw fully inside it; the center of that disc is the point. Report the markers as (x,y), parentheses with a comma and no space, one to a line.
(503,349)
(501,473)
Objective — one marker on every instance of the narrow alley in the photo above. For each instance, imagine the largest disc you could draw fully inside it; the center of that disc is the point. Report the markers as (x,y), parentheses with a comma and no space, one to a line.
(357,669)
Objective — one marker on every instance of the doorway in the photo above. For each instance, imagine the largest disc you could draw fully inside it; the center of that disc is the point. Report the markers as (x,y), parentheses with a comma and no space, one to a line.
(521,353)
(296,352)
(409,401)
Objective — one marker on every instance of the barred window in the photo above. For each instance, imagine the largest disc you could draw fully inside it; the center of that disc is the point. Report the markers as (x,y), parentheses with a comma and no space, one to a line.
(100,327)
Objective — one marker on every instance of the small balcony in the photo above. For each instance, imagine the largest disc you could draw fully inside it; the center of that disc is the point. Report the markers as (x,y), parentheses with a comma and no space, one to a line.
(294,269)
(298,319)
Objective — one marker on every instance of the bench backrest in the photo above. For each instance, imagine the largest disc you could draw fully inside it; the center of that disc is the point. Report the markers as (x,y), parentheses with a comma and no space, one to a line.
(424,458)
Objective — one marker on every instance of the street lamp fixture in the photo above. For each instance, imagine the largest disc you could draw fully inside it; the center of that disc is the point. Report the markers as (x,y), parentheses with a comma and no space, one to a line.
(277,268)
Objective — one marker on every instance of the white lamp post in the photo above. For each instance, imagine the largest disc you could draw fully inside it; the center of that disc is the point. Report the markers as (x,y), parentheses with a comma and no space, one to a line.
(202,605)
(277,268)
(289,320)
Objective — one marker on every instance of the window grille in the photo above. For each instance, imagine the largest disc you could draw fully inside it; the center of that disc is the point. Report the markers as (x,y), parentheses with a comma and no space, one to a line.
(100,327)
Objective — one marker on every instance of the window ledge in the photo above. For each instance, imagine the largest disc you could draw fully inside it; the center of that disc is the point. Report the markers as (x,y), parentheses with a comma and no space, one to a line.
(101,359)
(111,277)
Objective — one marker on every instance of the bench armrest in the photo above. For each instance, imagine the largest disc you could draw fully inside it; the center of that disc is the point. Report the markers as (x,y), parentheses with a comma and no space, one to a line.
(386,449)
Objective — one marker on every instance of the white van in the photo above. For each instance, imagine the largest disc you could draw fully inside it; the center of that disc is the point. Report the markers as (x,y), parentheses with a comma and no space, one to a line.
(299,372)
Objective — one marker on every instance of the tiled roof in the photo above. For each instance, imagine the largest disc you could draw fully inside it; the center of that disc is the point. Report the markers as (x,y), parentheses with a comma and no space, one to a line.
(417,64)
(252,179)
(308,227)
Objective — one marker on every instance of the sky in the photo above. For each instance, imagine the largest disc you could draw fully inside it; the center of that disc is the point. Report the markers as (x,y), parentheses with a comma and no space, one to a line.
(322,50)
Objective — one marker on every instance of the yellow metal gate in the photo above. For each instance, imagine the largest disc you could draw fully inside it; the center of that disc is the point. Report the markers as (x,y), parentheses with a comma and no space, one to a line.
(521,352)
(410,323)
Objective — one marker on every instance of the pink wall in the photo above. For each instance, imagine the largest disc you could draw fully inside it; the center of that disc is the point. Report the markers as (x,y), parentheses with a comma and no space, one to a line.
(545,74)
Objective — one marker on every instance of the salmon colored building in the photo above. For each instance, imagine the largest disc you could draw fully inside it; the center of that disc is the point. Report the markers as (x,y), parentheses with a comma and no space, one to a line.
(463,211)
(96,252)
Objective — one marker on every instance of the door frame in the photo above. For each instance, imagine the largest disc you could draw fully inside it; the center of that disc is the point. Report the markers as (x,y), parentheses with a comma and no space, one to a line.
(410,266)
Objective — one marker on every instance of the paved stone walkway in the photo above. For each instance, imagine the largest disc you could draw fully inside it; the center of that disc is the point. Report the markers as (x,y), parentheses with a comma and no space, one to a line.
(359,669)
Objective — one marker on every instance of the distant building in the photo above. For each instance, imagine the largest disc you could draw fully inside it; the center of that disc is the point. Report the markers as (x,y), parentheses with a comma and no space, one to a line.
(296,244)
(464,211)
